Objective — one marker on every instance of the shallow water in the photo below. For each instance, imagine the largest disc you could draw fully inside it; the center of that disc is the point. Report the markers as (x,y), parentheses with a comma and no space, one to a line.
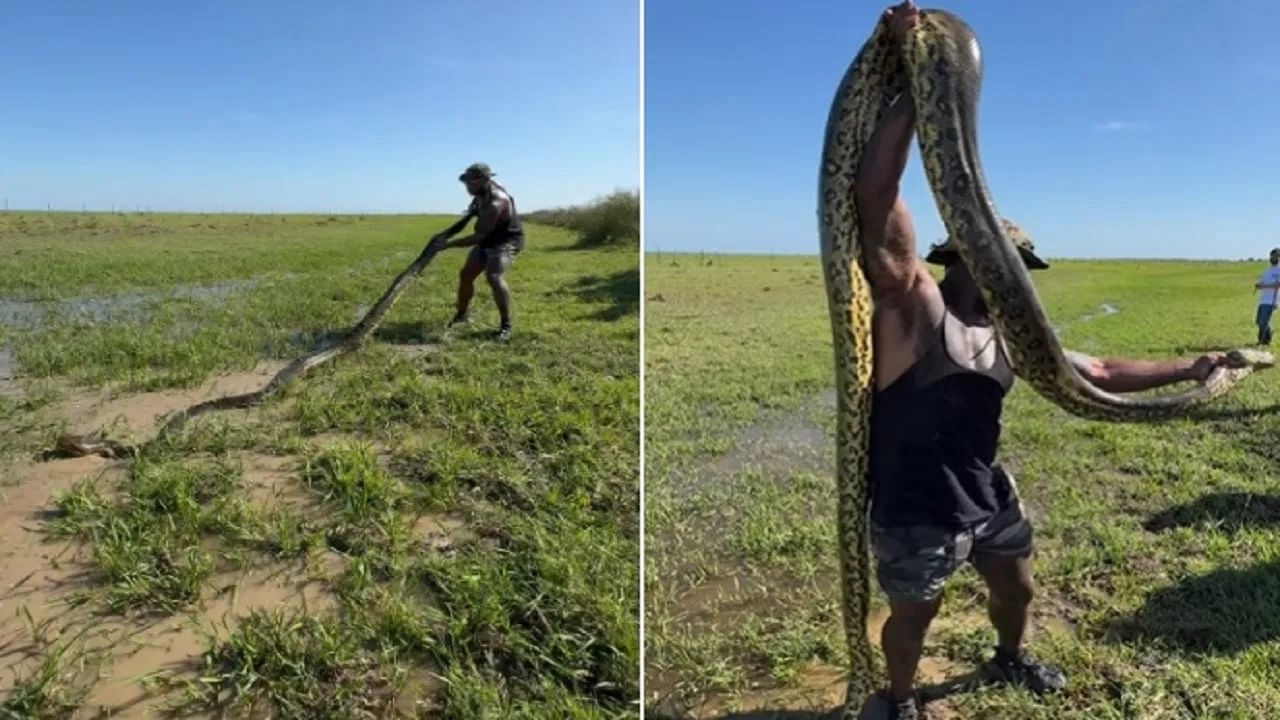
(105,308)
(1103,310)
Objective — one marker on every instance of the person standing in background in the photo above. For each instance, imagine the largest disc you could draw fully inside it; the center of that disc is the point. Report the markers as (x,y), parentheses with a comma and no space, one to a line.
(1269,285)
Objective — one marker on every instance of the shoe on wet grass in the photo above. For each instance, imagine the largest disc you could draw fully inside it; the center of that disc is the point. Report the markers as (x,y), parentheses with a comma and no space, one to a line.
(1024,671)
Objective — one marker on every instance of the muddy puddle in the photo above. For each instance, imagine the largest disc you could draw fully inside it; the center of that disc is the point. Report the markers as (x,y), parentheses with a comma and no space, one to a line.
(40,580)
(44,586)
(817,690)
(780,444)
(142,413)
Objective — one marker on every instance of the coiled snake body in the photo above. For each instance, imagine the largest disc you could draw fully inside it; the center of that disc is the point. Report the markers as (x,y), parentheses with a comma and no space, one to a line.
(80,445)
(939,62)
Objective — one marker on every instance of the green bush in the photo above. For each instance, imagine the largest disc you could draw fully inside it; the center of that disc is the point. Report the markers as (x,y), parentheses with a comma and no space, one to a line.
(611,220)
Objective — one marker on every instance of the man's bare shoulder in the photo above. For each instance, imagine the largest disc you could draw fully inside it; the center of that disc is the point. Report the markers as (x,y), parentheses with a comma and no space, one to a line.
(497,202)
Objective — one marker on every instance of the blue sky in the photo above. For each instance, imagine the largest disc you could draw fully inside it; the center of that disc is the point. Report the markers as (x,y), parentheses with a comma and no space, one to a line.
(1106,129)
(331,106)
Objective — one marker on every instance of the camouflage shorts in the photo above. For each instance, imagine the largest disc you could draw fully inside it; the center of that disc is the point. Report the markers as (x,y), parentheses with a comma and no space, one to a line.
(914,562)
(494,260)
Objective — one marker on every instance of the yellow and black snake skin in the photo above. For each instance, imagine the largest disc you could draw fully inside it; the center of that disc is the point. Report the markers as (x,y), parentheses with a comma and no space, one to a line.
(939,62)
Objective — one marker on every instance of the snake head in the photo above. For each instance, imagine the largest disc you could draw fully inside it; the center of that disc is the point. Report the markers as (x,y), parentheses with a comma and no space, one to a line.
(1242,357)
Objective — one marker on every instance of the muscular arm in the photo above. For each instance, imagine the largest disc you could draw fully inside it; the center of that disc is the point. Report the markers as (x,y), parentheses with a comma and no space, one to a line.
(491,212)
(907,301)
(888,238)
(1121,375)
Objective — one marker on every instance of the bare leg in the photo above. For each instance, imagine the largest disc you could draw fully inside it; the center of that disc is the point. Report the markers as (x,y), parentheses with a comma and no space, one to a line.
(495,272)
(902,639)
(1011,589)
(501,296)
(467,284)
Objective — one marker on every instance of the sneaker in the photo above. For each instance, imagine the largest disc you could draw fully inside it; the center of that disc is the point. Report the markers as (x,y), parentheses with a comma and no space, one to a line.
(503,334)
(903,710)
(459,319)
(1022,670)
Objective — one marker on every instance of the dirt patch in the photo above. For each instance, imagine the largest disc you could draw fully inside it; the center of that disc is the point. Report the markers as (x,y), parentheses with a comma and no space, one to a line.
(41,584)
(271,482)
(40,580)
(174,646)
(417,351)
(142,413)
(46,579)
(442,532)
(28,561)
(415,697)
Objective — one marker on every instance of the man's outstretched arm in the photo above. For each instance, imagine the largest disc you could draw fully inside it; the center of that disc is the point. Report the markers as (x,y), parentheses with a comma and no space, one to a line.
(1122,375)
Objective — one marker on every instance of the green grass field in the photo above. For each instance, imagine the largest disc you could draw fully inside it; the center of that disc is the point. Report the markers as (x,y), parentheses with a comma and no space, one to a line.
(438,525)
(1159,546)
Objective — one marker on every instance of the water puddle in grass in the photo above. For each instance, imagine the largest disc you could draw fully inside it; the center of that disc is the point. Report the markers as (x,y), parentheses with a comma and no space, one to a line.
(28,314)
(817,689)
(777,444)
(1104,310)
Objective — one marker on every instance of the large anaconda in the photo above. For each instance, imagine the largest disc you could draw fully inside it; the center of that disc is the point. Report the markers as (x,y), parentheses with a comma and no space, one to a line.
(81,445)
(939,63)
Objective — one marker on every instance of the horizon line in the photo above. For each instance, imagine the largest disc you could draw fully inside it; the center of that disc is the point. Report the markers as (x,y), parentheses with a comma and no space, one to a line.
(143,210)
(1048,258)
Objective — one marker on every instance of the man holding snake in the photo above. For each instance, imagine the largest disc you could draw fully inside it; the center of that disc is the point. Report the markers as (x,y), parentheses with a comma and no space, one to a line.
(939,496)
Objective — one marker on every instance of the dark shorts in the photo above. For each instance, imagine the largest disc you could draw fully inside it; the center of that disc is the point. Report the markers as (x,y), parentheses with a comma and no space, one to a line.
(913,562)
(494,260)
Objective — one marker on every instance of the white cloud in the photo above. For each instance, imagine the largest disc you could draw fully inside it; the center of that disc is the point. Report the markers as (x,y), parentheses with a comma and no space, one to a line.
(1119,125)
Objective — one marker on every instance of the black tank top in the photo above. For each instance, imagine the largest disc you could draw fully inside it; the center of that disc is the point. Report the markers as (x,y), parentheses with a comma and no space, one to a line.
(509,232)
(934,433)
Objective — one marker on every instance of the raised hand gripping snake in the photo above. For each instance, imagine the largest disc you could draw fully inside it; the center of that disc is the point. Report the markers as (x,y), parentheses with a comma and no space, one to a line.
(81,445)
(939,61)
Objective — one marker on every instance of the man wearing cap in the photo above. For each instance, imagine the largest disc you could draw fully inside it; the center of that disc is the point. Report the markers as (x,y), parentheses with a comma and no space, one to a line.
(1269,284)
(939,496)
(498,237)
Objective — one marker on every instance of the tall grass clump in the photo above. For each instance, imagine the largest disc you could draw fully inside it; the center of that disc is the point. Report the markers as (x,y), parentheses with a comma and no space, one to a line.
(610,220)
